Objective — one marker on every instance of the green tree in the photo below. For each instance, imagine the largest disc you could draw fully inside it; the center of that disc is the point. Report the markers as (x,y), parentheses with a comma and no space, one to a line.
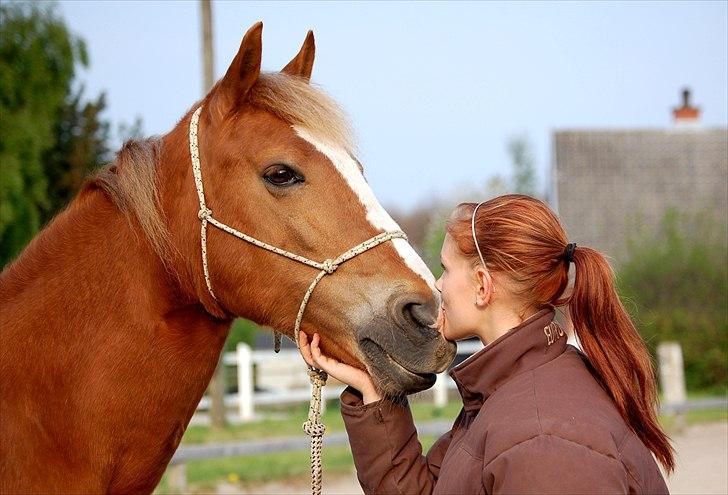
(242,330)
(81,138)
(675,282)
(432,245)
(134,130)
(522,161)
(38,57)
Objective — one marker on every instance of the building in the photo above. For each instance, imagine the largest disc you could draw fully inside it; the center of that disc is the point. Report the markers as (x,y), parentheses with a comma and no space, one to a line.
(607,183)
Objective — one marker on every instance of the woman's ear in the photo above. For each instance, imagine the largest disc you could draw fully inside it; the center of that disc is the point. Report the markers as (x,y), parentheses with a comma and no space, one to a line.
(484,286)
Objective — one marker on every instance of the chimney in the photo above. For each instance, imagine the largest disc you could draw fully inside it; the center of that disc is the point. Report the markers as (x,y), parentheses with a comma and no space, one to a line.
(686,115)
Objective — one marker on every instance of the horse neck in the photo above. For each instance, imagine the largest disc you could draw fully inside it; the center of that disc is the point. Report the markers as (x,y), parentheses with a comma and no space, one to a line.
(87,257)
(102,349)
(90,284)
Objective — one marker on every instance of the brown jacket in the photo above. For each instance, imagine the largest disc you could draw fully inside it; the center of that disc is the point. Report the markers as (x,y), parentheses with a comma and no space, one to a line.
(534,420)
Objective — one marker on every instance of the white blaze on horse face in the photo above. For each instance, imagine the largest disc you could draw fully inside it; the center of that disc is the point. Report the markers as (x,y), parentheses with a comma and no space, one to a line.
(376,214)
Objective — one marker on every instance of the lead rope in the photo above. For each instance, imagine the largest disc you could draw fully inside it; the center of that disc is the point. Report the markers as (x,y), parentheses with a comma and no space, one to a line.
(315,429)
(313,426)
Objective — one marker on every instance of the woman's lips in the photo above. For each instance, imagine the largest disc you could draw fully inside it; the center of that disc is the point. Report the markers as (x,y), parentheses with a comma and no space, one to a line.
(440,319)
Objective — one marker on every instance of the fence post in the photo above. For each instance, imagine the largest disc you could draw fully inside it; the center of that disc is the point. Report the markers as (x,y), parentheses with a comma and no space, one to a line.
(177,478)
(672,377)
(245,381)
(440,390)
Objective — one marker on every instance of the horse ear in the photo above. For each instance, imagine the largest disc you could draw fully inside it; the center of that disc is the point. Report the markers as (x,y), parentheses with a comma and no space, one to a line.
(245,67)
(302,63)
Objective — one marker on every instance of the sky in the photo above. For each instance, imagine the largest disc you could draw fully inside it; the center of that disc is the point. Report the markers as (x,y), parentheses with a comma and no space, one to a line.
(435,90)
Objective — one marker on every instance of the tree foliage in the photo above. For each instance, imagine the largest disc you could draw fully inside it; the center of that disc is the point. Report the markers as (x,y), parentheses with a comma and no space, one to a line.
(81,145)
(242,330)
(522,161)
(49,137)
(675,283)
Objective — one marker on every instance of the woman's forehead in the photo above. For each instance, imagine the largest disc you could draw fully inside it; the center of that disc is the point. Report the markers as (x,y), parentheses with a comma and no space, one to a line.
(448,250)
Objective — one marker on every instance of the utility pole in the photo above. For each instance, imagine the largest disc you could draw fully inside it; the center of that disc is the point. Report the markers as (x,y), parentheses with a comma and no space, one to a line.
(217,384)
(208,70)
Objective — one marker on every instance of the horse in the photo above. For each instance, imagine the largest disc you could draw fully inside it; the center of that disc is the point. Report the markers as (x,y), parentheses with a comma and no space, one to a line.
(110,328)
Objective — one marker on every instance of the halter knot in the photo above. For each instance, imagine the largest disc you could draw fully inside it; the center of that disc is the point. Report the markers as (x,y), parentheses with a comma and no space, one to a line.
(314,429)
(317,377)
(204,213)
(329,266)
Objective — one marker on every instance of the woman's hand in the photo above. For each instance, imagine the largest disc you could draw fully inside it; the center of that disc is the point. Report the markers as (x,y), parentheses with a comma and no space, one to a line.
(349,375)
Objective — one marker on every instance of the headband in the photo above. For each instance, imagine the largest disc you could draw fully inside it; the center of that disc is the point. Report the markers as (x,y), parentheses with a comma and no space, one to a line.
(475,239)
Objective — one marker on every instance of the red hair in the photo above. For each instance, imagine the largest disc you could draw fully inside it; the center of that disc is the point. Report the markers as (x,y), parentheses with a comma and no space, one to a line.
(521,237)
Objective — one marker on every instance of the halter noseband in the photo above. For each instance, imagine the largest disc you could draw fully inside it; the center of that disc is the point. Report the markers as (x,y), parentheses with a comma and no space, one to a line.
(313,426)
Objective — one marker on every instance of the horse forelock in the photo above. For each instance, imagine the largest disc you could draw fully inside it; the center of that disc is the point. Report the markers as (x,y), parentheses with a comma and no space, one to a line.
(300,103)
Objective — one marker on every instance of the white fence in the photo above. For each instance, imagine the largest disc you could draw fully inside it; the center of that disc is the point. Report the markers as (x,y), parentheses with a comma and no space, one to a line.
(283,378)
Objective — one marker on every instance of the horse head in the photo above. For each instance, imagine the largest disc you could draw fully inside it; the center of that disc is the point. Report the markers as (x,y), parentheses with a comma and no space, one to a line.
(278,163)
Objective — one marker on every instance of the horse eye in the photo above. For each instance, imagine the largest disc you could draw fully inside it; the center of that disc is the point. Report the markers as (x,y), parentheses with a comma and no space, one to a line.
(281,175)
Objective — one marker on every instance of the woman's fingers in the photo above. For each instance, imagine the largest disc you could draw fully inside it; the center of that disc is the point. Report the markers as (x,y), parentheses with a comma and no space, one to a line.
(305,348)
(343,372)
(311,352)
(323,362)
(318,357)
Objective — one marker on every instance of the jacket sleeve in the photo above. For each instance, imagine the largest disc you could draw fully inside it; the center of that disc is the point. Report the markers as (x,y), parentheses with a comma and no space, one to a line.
(550,464)
(387,454)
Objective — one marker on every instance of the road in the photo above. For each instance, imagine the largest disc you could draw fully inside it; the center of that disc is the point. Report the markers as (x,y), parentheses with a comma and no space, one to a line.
(702,468)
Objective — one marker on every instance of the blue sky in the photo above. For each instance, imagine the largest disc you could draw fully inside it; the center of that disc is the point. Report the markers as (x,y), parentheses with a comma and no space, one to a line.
(435,90)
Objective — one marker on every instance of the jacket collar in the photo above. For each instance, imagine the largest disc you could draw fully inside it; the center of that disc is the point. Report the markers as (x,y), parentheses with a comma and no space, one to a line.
(534,342)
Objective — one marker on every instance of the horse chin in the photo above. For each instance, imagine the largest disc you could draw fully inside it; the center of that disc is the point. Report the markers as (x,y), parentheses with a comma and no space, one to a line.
(392,378)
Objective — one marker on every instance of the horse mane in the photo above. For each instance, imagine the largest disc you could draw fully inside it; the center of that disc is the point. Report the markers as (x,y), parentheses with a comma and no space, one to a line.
(131,180)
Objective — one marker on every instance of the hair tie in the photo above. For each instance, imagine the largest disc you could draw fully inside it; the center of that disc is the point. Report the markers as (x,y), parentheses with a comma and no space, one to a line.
(569,252)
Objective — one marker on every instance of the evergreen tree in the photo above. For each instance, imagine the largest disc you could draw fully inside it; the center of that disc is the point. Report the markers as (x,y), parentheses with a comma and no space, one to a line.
(524,172)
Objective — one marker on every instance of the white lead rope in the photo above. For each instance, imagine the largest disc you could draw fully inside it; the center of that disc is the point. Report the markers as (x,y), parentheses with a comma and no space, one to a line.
(313,426)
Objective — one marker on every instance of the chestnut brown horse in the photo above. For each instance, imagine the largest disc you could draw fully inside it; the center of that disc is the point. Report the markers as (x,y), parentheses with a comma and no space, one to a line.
(109,332)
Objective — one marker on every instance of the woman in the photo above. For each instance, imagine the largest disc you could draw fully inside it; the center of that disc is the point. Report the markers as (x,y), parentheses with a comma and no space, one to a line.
(538,415)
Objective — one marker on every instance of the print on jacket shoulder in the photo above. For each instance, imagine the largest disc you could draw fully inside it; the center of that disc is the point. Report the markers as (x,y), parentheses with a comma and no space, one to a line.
(553,332)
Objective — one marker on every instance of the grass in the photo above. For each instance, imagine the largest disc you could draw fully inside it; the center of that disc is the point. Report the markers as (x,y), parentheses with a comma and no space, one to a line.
(288,423)
(203,476)
(668,422)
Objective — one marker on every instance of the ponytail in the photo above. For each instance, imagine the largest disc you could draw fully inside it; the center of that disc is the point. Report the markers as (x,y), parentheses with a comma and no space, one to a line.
(616,351)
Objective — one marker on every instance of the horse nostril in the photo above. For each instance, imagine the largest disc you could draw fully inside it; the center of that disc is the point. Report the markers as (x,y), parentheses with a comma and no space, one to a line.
(414,313)
(421,315)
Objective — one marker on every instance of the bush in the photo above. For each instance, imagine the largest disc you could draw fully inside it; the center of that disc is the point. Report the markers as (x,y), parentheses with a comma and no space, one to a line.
(432,245)
(242,330)
(674,283)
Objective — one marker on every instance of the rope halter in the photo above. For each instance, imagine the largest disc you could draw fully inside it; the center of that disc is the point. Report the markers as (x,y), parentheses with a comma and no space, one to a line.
(313,426)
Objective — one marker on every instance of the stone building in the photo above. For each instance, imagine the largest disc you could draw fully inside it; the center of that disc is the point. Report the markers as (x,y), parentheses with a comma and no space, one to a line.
(606,183)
